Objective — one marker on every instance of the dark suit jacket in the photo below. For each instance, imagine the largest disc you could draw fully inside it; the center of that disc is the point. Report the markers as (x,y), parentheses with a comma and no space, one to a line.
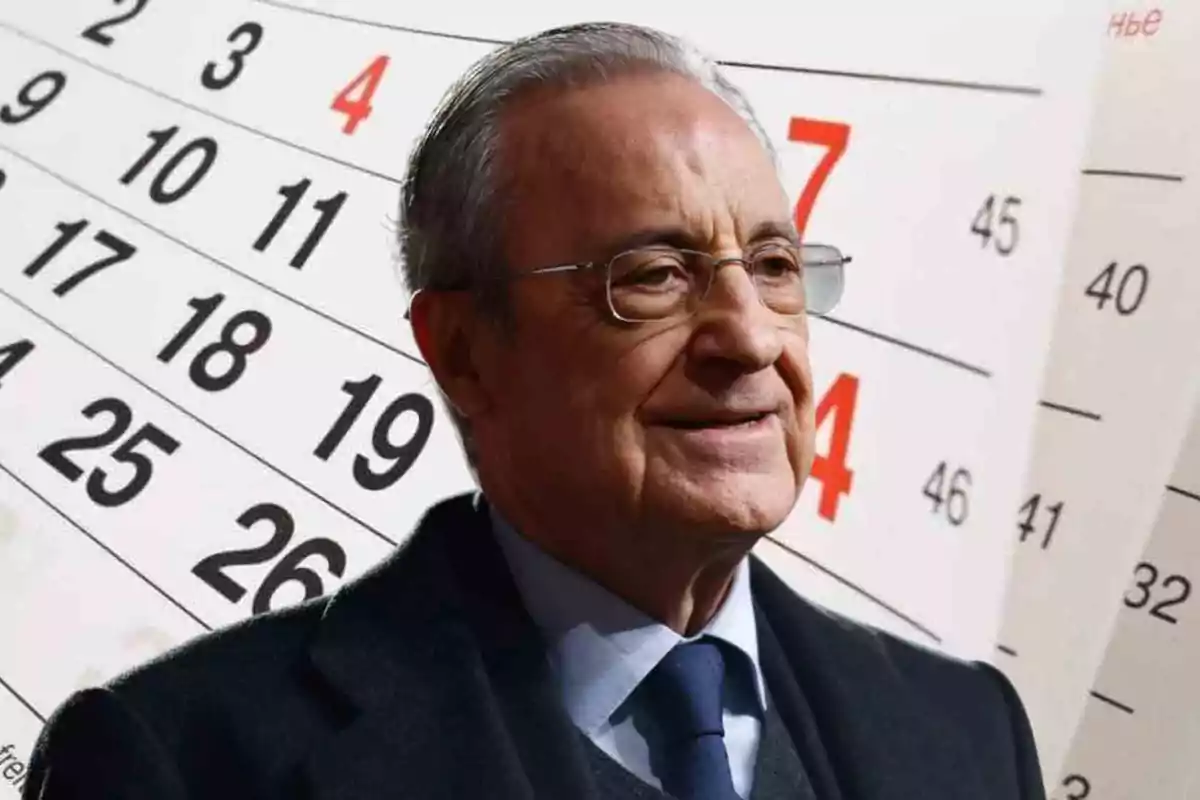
(426,679)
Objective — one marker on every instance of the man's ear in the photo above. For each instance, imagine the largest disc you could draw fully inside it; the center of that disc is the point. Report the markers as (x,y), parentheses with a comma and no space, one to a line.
(444,325)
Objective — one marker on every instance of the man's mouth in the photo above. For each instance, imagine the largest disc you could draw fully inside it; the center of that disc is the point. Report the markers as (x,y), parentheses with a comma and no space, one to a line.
(729,421)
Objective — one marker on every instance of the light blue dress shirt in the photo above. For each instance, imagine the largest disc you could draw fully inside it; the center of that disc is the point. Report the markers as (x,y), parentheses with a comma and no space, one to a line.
(601,648)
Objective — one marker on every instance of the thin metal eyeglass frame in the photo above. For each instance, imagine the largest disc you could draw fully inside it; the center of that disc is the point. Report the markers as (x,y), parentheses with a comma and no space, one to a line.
(744,260)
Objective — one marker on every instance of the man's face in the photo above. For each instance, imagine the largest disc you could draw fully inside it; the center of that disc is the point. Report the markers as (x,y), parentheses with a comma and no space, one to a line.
(702,425)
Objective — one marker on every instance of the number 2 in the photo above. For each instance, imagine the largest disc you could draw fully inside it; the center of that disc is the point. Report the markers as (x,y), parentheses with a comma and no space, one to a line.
(96,32)
(832,135)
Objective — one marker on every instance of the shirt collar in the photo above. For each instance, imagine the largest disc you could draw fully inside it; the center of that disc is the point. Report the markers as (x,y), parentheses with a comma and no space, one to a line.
(600,646)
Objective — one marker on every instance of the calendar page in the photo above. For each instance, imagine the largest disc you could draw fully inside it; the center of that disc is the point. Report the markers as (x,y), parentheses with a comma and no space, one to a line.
(1138,736)
(210,402)
(1121,380)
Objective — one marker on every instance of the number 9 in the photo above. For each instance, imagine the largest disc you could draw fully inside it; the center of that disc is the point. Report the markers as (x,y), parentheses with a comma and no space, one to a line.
(34,104)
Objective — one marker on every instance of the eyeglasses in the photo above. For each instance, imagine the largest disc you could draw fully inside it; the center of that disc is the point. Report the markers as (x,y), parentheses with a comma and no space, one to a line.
(660,282)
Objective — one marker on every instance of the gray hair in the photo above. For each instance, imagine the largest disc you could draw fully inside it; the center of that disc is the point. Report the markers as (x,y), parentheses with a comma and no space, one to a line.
(451,200)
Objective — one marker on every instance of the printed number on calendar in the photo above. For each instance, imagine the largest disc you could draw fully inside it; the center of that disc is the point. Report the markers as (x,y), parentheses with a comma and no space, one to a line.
(12,354)
(402,456)
(947,488)
(39,92)
(1124,287)
(1167,591)
(99,32)
(230,355)
(1038,519)
(137,451)
(289,569)
(838,405)
(114,250)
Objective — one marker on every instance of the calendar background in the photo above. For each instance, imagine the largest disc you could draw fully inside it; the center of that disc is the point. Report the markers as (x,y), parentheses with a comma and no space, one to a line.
(246,349)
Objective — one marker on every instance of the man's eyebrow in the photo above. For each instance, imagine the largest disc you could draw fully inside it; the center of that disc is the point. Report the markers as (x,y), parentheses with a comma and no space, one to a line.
(682,238)
(670,235)
(775,229)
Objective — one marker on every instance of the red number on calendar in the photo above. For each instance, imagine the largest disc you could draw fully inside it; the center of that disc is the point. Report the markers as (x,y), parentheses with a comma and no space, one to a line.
(831,469)
(832,135)
(357,108)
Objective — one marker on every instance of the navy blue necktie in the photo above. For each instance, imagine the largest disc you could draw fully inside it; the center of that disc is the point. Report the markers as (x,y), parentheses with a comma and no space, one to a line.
(684,691)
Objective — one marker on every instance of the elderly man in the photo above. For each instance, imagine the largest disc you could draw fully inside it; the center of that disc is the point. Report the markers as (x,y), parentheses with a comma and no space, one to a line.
(612,298)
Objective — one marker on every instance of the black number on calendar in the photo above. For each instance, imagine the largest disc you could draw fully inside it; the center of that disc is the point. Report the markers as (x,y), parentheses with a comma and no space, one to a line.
(948,489)
(130,453)
(39,92)
(118,249)
(1125,287)
(1171,591)
(97,33)
(245,39)
(1077,786)
(1039,518)
(219,364)
(3,178)
(402,456)
(289,569)
(995,224)
(12,354)
(205,150)
(327,211)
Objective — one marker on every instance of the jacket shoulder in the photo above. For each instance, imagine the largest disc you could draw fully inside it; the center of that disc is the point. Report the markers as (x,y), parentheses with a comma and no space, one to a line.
(970,701)
(244,689)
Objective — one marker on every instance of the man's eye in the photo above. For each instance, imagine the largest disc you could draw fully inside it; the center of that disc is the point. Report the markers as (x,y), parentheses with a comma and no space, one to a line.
(660,274)
(776,265)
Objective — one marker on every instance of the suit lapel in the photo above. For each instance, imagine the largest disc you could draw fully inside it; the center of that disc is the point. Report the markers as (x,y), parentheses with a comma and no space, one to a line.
(854,718)
(439,679)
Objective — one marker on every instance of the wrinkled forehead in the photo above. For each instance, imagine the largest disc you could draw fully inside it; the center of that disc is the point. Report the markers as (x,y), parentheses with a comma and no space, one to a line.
(588,165)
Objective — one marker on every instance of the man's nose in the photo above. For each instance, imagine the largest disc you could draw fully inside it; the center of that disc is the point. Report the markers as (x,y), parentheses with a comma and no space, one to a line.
(734,325)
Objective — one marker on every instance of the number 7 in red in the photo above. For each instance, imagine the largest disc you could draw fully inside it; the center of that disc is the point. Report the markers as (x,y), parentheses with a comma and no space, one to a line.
(833,135)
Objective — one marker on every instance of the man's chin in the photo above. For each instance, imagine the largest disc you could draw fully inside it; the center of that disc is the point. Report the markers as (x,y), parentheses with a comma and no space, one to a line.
(733,503)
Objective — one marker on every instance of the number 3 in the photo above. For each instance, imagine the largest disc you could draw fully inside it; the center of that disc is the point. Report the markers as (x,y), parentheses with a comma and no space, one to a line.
(237,58)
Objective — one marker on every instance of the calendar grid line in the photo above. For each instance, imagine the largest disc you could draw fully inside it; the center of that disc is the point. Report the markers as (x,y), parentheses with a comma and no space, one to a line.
(210,258)
(116,556)
(1110,701)
(21,699)
(1072,410)
(199,109)
(849,584)
(881,77)
(198,420)
(1183,492)
(1121,173)
(904,345)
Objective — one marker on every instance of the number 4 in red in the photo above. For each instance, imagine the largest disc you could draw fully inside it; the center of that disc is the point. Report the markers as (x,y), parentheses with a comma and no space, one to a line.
(357,108)
(831,470)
